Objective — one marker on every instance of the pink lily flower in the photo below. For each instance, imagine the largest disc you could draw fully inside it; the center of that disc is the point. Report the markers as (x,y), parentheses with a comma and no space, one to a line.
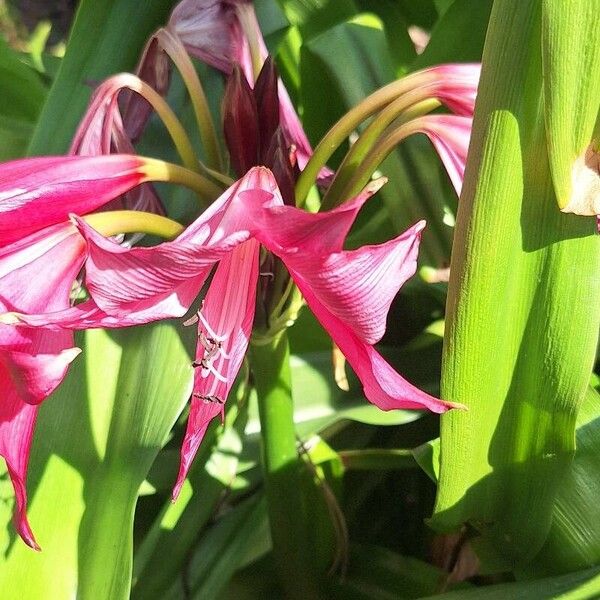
(233,25)
(102,130)
(350,292)
(41,254)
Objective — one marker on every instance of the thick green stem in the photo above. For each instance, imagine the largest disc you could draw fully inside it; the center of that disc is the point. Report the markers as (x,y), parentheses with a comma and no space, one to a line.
(281,465)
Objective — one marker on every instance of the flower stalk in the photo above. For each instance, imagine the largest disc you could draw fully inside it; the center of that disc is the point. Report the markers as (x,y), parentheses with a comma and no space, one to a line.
(454,85)
(111,223)
(176,51)
(281,466)
(163,110)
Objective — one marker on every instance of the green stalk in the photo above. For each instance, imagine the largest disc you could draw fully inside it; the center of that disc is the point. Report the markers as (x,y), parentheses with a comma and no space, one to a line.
(174,48)
(364,171)
(167,116)
(403,109)
(338,134)
(133,221)
(281,466)
(159,170)
(522,314)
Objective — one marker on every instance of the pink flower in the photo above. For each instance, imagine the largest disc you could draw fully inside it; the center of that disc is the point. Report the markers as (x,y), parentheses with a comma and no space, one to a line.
(102,130)
(41,254)
(222,33)
(350,292)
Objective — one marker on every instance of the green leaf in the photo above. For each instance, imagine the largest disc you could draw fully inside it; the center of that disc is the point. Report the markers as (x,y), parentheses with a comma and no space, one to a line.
(95,441)
(313,17)
(570,58)
(583,585)
(376,573)
(319,402)
(231,543)
(428,458)
(23,92)
(458,36)
(164,552)
(522,324)
(573,542)
(15,136)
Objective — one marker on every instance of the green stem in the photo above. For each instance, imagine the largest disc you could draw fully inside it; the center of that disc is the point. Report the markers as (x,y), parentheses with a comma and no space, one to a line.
(167,116)
(372,160)
(160,170)
(406,107)
(349,122)
(376,459)
(281,465)
(174,48)
(133,221)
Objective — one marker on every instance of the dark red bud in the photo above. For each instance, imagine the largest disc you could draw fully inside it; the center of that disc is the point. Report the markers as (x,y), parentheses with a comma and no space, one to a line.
(240,122)
(277,159)
(267,103)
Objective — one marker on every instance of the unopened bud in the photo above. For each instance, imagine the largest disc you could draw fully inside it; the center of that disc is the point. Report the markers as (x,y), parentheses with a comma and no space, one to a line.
(240,122)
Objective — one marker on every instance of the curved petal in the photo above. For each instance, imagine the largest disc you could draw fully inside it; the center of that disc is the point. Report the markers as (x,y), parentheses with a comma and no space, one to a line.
(42,191)
(450,135)
(35,377)
(357,286)
(17,421)
(204,27)
(33,362)
(294,230)
(224,327)
(383,386)
(125,280)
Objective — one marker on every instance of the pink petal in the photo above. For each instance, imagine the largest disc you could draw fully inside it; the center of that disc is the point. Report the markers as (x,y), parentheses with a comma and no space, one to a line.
(228,309)
(383,386)
(32,362)
(164,279)
(293,230)
(450,135)
(204,27)
(357,286)
(17,421)
(42,191)
(456,86)
(35,377)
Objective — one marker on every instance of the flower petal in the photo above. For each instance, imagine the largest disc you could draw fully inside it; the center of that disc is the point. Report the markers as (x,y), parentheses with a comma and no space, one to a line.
(357,286)
(450,135)
(224,327)
(17,420)
(32,362)
(383,386)
(204,27)
(42,191)
(125,280)
(294,230)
